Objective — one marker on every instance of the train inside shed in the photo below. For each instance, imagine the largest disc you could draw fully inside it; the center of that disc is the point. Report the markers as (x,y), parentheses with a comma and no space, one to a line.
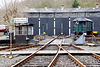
(82,25)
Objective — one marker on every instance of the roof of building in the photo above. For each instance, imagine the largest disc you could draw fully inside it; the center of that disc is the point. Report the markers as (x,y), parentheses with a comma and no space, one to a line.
(42,10)
(93,9)
(81,19)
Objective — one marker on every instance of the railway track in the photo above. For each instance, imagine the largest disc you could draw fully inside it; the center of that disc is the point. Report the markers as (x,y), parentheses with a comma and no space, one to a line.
(5,48)
(65,61)
(24,47)
(32,55)
(39,61)
(92,60)
(18,47)
(51,47)
(88,60)
(59,60)
(70,47)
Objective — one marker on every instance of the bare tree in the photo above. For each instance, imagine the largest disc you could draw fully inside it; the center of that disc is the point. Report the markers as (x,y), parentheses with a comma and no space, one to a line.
(9,12)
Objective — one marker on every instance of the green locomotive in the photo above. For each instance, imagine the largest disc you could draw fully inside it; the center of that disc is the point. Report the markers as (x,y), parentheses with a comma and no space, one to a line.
(82,25)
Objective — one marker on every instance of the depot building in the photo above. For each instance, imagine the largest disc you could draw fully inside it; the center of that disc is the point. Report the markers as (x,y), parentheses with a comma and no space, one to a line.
(55,21)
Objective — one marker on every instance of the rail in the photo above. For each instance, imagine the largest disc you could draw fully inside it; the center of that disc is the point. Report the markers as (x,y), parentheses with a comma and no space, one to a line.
(24,47)
(32,55)
(54,60)
(9,47)
(80,64)
(94,54)
(74,59)
(77,47)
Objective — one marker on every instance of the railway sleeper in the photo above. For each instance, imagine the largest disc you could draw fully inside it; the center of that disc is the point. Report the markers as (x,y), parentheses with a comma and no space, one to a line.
(88,60)
(39,61)
(51,47)
(70,48)
(64,60)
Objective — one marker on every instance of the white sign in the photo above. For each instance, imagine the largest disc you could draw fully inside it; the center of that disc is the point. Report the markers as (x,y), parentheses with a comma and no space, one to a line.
(20,20)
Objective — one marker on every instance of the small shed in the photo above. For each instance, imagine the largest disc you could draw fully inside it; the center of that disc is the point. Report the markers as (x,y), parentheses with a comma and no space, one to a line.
(24,33)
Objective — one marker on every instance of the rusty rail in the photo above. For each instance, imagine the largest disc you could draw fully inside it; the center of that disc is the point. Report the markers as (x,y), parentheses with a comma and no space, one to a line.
(96,56)
(77,47)
(24,47)
(54,60)
(75,60)
(56,56)
(32,55)
(9,47)
(72,57)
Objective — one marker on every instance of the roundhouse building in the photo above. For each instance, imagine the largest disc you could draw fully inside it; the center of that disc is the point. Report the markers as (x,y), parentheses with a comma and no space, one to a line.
(55,21)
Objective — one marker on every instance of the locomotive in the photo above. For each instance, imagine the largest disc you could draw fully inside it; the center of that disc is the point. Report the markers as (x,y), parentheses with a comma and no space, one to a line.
(82,25)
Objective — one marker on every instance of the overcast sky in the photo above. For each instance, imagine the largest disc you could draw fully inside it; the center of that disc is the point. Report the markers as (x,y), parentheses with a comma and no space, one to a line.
(7,1)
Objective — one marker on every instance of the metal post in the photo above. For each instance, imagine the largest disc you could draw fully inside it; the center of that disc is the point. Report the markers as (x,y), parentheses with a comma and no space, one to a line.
(27,34)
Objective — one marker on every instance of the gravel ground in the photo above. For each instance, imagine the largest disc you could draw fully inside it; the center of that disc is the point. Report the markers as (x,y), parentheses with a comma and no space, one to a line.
(51,48)
(91,48)
(65,61)
(57,41)
(67,40)
(69,48)
(44,41)
(89,60)
(39,61)
(36,48)
(6,62)
(48,38)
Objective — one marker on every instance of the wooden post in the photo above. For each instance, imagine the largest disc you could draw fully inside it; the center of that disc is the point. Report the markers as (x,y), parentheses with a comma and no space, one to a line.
(11,43)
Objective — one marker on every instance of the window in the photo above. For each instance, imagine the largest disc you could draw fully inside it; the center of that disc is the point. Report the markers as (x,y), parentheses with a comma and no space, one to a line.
(76,24)
(30,30)
(22,30)
(84,24)
(17,30)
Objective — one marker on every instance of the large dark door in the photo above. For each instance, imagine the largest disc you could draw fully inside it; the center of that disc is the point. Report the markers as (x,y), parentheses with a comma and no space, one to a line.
(35,21)
(66,26)
(50,26)
(43,26)
(80,27)
(58,26)
(47,26)
(62,26)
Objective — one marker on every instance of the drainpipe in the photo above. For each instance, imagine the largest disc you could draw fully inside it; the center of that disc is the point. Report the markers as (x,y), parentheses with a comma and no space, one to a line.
(69,27)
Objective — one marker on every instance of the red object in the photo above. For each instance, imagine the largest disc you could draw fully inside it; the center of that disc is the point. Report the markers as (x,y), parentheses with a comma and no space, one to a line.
(92,33)
(5,54)
(2,30)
